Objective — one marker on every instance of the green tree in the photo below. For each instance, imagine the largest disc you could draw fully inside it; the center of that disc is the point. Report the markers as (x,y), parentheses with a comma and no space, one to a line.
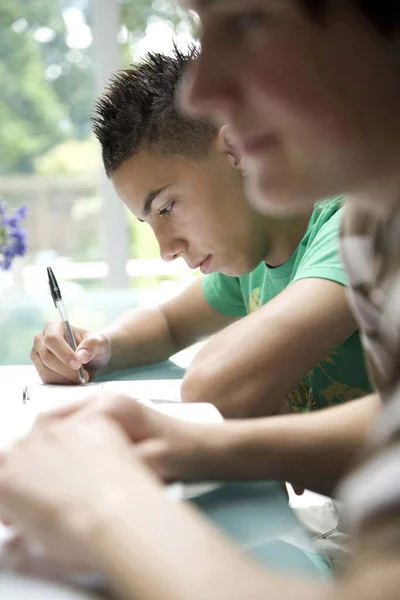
(47,87)
(45,95)
(136,14)
(73,157)
(30,112)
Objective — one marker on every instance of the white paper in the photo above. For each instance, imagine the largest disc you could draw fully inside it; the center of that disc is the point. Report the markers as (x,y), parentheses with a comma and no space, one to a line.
(166,389)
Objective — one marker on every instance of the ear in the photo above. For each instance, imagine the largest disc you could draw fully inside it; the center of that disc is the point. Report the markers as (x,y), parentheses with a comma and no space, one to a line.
(227,145)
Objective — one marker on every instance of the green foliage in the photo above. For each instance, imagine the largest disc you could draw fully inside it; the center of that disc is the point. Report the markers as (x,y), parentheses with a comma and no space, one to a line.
(45,119)
(30,112)
(47,91)
(73,157)
(143,241)
(36,114)
(137,14)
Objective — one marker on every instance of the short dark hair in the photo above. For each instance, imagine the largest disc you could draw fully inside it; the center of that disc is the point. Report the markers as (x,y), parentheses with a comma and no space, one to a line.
(383,14)
(138,111)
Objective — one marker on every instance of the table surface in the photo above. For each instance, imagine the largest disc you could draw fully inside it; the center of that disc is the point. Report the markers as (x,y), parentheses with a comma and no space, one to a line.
(256,515)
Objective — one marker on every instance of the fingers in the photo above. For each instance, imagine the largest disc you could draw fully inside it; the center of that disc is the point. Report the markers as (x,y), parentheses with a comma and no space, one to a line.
(32,560)
(62,412)
(53,339)
(50,369)
(52,356)
(134,418)
(137,420)
(154,453)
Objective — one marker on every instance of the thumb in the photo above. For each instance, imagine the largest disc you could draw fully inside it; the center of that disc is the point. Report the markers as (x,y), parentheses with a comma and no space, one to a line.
(91,347)
(154,453)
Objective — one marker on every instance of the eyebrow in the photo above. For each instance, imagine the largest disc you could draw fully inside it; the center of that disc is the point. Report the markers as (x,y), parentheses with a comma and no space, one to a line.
(196,4)
(151,196)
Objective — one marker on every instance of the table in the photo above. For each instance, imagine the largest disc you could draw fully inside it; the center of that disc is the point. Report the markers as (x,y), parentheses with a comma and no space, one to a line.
(255,515)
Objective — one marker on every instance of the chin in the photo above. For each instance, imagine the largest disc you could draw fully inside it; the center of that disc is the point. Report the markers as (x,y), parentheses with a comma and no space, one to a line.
(271,196)
(237,270)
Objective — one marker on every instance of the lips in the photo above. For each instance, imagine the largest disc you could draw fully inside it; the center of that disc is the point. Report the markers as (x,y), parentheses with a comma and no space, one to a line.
(205,266)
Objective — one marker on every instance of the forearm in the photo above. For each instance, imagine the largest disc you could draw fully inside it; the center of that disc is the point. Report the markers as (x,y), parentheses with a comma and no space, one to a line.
(159,550)
(143,548)
(224,374)
(139,337)
(249,368)
(309,450)
(213,377)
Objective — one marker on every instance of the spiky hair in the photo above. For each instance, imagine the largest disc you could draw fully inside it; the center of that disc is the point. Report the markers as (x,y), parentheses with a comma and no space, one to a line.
(138,110)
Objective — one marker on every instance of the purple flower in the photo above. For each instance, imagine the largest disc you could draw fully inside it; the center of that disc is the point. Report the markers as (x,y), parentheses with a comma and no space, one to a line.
(13,238)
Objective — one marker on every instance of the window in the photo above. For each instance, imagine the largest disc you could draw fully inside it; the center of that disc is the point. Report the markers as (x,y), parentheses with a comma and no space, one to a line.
(55,57)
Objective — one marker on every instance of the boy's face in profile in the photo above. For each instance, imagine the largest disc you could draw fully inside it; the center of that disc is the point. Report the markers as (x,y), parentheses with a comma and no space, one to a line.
(313,105)
(197,210)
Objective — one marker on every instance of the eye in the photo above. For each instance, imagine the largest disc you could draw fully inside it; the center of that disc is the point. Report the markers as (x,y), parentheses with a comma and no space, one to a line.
(245,23)
(167,210)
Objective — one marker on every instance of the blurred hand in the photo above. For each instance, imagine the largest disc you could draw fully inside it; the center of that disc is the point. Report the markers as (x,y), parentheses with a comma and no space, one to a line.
(17,555)
(59,485)
(56,362)
(172,449)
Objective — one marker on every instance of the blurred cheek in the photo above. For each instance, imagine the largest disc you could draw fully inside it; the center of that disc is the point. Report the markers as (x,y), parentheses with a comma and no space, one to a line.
(185,97)
(207,80)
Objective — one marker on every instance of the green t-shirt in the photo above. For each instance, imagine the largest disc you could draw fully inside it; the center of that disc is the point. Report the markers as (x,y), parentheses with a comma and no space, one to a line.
(342,375)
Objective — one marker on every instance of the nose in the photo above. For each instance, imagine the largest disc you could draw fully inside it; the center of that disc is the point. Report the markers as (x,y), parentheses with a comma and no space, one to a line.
(209,88)
(171,248)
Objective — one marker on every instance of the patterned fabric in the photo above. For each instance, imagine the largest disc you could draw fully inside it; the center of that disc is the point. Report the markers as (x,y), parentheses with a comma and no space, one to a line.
(371,254)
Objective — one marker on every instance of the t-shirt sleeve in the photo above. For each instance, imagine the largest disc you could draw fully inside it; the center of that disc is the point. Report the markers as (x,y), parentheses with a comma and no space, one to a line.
(322,259)
(224,294)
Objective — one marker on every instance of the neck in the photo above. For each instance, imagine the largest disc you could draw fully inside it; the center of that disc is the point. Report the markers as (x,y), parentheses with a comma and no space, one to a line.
(284,235)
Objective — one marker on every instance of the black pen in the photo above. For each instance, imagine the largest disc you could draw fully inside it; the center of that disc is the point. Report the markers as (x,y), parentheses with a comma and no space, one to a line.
(59,304)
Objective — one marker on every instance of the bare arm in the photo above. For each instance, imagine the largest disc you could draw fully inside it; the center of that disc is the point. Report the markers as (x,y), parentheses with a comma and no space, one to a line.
(249,368)
(108,512)
(309,450)
(193,559)
(152,335)
(138,337)
(217,570)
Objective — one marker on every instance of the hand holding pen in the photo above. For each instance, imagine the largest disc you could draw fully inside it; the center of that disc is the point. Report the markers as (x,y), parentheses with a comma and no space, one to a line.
(59,304)
(56,359)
